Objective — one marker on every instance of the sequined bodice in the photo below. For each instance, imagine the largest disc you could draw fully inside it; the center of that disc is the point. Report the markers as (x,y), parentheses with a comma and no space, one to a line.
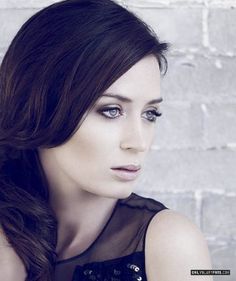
(117,254)
(123,268)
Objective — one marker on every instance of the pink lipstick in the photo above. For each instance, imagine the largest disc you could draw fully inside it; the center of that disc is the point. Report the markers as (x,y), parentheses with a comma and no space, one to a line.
(127,172)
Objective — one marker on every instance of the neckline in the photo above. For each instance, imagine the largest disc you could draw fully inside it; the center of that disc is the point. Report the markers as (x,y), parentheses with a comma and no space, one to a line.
(95,240)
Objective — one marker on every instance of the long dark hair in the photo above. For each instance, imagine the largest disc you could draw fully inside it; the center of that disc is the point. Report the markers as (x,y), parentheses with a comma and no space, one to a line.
(59,63)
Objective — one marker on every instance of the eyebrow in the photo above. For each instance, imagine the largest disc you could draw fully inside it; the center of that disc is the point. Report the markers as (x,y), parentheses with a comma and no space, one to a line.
(125,99)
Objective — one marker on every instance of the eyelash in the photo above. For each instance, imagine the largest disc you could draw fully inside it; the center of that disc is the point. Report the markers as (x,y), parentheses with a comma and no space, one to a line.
(155,113)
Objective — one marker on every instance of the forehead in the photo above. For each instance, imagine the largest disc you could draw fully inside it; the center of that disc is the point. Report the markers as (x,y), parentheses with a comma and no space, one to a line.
(141,81)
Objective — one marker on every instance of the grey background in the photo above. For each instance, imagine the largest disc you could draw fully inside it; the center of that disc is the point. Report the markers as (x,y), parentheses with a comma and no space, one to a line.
(192,164)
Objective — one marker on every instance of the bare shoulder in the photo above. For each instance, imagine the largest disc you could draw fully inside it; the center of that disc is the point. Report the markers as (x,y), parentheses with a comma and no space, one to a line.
(11,266)
(175,245)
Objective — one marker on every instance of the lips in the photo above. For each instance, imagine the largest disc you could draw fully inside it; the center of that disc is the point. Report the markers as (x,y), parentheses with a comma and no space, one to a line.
(129,168)
(126,173)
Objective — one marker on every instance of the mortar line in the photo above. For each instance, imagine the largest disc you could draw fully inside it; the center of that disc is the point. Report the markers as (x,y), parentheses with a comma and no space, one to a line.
(198,211)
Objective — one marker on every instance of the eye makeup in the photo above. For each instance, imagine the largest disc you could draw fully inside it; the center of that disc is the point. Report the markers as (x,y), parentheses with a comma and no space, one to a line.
(115,111)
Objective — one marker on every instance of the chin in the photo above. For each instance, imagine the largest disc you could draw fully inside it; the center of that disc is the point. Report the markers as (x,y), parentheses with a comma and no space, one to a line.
(121,192)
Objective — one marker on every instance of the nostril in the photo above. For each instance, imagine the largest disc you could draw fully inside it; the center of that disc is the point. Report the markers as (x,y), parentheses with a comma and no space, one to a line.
(134,145)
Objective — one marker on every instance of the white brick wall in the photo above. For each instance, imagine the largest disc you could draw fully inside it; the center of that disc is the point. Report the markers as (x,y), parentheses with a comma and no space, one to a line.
(192,166)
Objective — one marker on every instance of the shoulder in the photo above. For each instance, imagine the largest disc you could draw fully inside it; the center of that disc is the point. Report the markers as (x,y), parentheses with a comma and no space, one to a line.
(174,245)
(11,266)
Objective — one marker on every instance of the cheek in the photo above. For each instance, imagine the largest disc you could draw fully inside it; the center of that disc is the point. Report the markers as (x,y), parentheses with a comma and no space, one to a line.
(94,145)
(152,138)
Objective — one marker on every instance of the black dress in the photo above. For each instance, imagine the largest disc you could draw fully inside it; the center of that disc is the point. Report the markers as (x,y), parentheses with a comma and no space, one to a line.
(117,254)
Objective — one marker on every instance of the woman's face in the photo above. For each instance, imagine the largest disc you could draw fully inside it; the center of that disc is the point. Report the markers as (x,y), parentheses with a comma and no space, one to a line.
(105,155)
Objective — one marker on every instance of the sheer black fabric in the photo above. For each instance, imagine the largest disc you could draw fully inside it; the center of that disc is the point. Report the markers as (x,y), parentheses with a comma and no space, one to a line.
(117,254)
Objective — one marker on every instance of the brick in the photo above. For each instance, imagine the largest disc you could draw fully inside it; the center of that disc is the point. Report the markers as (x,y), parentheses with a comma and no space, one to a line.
(201,79)
(10,23)
(6,4)
(220,124)
(26,3)
(1,56)
(182,202)
(161,3)
(189,169)
(181,125)
(222,30)
(220,3)
(224,257)
(218,215)
(177,30)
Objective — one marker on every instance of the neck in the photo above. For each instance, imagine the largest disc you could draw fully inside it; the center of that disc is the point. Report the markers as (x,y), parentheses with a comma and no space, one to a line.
(81,217)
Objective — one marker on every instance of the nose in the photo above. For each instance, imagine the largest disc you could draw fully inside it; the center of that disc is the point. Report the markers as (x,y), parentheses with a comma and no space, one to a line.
(134,139)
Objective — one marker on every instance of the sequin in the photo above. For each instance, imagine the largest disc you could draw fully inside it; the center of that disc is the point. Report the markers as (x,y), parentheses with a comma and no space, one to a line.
(117,272)
(88,272)
(133,267)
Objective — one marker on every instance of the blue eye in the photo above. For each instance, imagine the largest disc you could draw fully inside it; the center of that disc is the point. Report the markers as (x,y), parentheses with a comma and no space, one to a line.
(110,112)
(151,115)
(115,112)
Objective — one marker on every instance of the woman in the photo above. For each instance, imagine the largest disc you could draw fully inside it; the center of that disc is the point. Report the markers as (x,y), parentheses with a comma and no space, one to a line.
(80,94)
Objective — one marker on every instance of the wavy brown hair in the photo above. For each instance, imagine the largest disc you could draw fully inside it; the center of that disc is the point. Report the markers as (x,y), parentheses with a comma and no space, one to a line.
(59,63)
